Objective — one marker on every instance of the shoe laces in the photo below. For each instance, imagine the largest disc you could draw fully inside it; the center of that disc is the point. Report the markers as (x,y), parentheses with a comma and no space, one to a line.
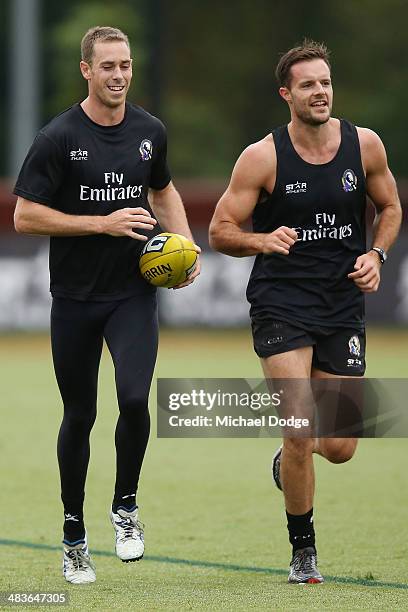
(79,559)
(128,527)
(304,561)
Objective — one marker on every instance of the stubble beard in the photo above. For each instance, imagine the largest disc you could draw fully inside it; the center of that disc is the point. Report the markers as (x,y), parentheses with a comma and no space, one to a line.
(307,118)
(111,103)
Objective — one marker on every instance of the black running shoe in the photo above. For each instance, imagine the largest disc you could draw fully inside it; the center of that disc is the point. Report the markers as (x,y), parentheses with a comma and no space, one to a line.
(275,468)
(303,567)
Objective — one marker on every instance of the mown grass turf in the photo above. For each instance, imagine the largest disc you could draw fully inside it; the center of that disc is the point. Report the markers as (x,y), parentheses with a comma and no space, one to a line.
(209,507)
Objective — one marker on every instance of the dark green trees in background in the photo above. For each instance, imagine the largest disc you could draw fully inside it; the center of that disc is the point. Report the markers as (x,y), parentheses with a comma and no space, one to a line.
(215,62)
(63,42)
(222,64)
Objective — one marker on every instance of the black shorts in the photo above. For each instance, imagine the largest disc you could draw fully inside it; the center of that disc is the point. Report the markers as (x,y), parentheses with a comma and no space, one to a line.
(338,351)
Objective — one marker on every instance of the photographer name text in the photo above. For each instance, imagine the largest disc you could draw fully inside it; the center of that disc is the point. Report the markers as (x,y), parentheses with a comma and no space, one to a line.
(238,421)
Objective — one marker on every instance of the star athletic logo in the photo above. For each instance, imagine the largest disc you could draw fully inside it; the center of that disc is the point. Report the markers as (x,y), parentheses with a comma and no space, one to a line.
(298,187)
(80,155)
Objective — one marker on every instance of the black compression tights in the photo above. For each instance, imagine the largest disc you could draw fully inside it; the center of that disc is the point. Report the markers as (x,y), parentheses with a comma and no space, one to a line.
(77,332)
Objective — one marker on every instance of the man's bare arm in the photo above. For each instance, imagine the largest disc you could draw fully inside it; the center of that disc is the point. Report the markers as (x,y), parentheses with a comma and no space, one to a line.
(168,207)
(255,168)
(381,188)
(38,219)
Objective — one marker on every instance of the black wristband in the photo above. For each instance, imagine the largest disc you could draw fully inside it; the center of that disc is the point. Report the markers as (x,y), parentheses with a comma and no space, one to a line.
(381,254)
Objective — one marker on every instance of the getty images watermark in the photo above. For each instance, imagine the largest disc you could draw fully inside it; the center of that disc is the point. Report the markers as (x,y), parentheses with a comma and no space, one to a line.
(211,401)
(349,407)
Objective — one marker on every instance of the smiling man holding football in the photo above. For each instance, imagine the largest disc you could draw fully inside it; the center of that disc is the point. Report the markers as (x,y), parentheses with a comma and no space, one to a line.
(85,183)
(305,187)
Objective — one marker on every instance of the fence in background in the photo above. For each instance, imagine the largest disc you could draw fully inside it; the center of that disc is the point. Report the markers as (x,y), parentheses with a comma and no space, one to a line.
(217,298)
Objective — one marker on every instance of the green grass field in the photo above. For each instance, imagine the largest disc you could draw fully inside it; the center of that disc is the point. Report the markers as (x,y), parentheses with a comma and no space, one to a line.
(215,529)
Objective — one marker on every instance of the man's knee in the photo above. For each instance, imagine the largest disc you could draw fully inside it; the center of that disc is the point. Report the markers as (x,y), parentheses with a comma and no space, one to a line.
(339,451)
(134,405)
(298,448)
(79,420)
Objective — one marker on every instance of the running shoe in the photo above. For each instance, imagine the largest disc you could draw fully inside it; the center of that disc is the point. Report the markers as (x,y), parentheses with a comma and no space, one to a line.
(77,566)
(303,567)
(129,535)
(275,468)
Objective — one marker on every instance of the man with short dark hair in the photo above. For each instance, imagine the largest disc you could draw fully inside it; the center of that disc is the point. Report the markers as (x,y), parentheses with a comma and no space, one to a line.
(305,186)
(85,182)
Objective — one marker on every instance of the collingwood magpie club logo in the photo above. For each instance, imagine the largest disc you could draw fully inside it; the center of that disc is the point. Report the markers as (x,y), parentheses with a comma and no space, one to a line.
(146,149)
(349,180)
(80,155)
(297,187)
(354,346)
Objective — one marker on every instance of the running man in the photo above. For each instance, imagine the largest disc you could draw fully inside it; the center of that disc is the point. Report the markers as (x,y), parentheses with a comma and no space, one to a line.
(305,187)
(85,183)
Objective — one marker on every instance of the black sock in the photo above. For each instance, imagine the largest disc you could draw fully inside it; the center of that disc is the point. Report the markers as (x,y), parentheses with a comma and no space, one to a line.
(301,530)
(126,502)
(74,528)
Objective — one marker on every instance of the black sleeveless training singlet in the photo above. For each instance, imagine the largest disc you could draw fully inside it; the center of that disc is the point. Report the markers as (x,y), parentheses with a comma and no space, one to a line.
(325,204)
